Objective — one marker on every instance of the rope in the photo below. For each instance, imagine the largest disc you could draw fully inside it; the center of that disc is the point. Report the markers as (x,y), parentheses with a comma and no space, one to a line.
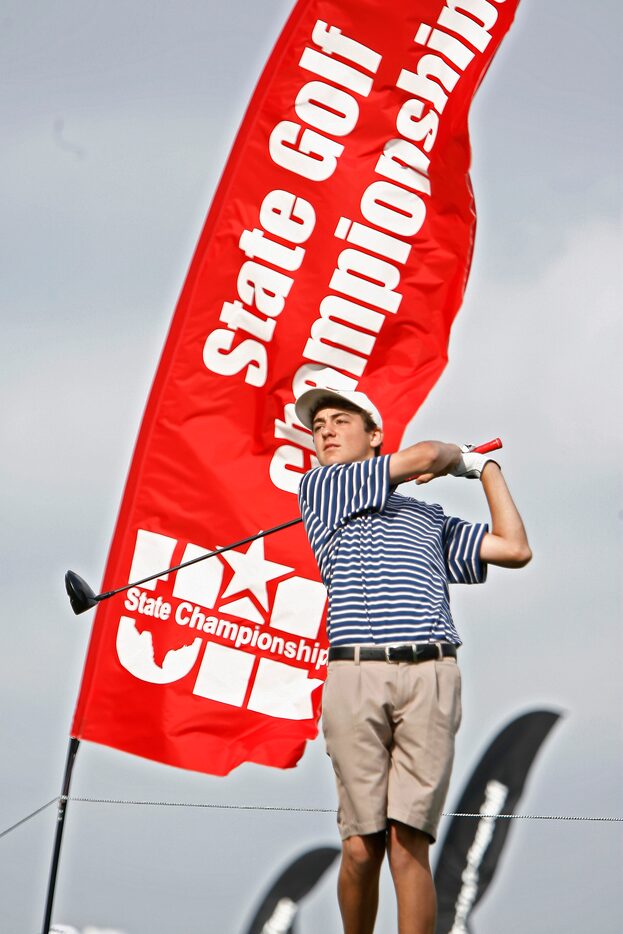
(199,804)
(24,819)
(568,817)
(302,810)
(298,810)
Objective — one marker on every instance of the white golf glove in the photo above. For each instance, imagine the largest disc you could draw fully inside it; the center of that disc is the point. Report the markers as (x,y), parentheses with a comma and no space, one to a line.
(471,464)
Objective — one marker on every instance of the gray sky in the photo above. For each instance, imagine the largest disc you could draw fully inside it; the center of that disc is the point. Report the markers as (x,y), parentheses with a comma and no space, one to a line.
(117,119)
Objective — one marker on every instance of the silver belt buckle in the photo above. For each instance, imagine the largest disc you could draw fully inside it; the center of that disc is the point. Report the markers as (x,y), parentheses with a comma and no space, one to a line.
(388,659)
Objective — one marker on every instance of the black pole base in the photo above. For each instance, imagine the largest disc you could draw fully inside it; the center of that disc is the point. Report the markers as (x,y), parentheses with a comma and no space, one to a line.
(60,823)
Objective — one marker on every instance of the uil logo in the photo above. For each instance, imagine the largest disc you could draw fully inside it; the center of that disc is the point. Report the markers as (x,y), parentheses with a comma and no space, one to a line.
(234,660)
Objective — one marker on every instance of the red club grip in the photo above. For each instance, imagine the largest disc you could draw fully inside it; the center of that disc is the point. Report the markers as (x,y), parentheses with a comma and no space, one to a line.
(488,446)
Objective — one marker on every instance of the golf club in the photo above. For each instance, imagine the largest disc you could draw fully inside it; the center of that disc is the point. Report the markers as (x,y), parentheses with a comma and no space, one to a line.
(82,597)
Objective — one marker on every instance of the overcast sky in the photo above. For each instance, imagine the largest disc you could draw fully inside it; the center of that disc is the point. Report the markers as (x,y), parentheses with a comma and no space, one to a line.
(117,118)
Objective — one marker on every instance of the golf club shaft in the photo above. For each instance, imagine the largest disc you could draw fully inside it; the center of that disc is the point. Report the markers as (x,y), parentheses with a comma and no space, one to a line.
(481,448)
(208,554)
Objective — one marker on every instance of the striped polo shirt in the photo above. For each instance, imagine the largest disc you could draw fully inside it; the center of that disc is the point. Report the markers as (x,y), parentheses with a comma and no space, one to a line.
(385,559)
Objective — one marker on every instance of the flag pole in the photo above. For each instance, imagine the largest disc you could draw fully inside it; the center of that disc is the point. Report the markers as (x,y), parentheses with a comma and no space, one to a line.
(60,822)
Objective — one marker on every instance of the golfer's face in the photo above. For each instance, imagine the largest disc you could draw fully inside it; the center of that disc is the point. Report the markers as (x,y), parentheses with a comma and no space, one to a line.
(340,437)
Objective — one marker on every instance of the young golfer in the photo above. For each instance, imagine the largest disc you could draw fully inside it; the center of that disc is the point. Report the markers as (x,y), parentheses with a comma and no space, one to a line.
(391,702)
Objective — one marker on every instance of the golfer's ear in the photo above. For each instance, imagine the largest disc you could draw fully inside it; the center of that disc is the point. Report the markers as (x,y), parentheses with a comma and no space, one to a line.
(376,438)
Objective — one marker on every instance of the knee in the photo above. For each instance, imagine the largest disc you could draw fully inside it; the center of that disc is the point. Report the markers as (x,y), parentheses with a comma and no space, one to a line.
(364,855)
(406,846)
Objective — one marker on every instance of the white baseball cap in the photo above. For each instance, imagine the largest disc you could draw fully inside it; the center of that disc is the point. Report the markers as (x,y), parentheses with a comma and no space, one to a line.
(306,403)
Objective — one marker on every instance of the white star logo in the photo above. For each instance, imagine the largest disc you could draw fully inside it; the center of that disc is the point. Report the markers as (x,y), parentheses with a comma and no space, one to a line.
(252,572)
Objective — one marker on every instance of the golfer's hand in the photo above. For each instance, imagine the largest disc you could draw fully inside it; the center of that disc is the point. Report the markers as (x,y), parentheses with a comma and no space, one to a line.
(448,460)
(471,464)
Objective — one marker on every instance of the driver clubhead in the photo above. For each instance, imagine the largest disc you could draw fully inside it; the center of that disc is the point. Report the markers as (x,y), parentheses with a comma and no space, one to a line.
(81,596)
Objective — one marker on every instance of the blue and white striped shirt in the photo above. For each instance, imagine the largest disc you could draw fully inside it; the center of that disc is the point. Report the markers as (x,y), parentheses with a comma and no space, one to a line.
(385,559)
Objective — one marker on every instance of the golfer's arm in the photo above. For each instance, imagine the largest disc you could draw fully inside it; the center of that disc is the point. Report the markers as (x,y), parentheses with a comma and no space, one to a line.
(426,459)
(507,543)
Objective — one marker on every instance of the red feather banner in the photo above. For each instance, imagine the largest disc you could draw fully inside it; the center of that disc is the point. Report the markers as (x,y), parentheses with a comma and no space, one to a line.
(336,252)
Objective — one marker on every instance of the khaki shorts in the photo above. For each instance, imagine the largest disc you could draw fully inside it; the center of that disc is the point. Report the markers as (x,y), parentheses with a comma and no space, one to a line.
(389,730)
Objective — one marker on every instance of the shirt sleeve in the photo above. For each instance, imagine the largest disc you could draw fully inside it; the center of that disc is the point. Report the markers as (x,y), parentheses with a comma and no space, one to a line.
(462,541)
(332,495)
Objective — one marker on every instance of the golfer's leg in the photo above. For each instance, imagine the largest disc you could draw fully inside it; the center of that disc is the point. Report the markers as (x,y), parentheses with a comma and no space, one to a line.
(415,891)
(358,881)
(427,720)
(358,735)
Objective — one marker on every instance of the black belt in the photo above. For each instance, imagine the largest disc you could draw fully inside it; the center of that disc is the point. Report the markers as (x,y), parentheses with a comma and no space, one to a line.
(422,652)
